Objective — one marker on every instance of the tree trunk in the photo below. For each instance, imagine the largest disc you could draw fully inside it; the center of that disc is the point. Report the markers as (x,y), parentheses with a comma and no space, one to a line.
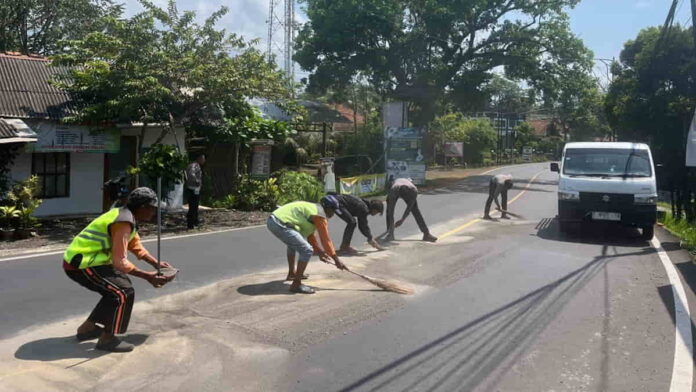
(141,140)
(235,162)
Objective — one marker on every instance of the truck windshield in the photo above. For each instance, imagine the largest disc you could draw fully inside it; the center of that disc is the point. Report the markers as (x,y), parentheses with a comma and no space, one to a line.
(605,162)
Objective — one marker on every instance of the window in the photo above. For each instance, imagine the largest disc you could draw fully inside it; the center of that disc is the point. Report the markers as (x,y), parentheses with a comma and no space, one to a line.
(606,162)
(53,170)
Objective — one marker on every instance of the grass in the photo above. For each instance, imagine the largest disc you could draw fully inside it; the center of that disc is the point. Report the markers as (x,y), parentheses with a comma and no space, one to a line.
(681,228)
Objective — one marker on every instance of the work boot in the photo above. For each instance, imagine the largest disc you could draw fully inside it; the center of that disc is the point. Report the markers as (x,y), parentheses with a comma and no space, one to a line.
(115,345)
(429,238)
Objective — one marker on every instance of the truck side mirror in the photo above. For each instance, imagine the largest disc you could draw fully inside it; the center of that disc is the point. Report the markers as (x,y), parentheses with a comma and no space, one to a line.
(555,168)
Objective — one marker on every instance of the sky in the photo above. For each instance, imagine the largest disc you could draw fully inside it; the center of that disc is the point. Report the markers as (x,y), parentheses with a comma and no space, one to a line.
(604,25)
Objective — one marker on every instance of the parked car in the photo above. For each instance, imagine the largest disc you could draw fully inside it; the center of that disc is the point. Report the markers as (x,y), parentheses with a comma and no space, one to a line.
(607,182)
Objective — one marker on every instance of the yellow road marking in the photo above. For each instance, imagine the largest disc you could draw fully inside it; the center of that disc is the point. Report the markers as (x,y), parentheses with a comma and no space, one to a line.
(474,221)
(460,228)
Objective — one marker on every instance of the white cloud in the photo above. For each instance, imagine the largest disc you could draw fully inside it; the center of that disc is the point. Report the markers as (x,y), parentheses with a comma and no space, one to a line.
(643,4)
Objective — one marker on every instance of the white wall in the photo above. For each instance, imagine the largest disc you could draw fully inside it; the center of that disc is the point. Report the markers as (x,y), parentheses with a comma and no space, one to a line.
(178,138)
(86,180)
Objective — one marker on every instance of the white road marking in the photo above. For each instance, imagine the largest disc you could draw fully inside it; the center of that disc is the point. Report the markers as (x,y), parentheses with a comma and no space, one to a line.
(174,237)
(683,368)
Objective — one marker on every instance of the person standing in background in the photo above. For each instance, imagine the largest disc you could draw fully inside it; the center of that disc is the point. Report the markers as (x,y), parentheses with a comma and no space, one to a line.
(194,181)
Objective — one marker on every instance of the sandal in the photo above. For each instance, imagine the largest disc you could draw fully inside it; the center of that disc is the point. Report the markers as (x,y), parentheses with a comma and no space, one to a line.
(115,345)
(302,289)
(292,277)
(93,334)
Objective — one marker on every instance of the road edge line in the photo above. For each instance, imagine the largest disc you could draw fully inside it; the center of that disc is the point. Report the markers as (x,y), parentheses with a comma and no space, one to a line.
(683,366)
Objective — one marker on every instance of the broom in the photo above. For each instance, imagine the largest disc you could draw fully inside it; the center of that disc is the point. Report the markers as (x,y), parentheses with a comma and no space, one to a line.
(382,284)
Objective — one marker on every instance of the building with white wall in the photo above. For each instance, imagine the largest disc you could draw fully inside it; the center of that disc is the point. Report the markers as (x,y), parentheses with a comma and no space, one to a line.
(73,162)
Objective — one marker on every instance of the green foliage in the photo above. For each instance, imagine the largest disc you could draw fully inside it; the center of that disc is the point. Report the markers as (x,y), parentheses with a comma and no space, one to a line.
(525,137)
(43,26)
(8,214)
(162,160)
(299,186)
(162,66)
(24,197)
(477,134)
(252,195)
(426,51)
(682,228)
(245,127)
(367,141)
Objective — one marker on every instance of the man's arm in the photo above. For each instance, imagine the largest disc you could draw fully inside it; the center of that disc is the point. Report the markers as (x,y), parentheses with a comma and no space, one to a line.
(136,247)
(120,233)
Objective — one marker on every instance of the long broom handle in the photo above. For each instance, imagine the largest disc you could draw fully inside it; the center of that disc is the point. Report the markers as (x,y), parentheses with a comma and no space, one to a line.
(159,223)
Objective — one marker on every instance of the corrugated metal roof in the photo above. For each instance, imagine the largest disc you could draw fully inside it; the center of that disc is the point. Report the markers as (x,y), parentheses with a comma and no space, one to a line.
(6,130)
(26,91)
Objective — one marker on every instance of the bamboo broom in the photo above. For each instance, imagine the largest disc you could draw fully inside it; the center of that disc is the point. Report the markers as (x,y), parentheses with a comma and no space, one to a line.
(382,284)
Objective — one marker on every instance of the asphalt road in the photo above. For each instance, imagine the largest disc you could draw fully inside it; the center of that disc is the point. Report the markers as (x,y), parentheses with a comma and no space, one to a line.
(506,306)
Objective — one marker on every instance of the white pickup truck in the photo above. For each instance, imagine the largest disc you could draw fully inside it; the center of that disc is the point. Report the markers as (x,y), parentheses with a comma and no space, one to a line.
(609,182)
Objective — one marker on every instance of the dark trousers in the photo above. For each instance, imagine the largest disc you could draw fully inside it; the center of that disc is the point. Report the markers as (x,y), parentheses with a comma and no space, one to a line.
(491,197)
(410,196)
(351,223)
(194,201)
(114,309)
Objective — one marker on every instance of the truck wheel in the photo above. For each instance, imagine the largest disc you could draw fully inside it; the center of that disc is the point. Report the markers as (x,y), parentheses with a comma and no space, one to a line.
(648,233)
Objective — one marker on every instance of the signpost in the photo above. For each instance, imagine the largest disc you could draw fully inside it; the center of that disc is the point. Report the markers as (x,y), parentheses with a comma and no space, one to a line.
(404,155)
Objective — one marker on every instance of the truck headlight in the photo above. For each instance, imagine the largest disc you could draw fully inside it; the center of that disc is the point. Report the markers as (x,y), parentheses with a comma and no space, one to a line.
(645,199)
(569,196)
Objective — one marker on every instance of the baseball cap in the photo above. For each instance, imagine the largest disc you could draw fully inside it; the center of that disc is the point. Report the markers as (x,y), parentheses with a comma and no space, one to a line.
(330,201)
(141,197)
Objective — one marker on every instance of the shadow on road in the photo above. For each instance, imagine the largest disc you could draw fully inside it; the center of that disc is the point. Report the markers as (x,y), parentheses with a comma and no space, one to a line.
(480,184)
(276,287)
(54,349)
(487,346)
(591,233)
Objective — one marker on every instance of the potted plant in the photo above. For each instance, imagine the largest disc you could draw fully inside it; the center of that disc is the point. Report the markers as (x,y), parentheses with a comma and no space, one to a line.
(27,222)
(8,215)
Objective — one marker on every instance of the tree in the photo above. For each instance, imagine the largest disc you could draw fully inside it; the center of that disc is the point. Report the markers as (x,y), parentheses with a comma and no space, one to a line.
(423,51)
(525,137)
(507,96)
(579,107)
(42,26)
(477,134)
(652,98)
(161,67)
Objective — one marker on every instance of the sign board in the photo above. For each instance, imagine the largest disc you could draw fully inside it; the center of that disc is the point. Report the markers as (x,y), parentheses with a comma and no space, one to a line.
(691,144)
(70,138)
(395,114)
(454,149)
(362,185)
(261,159)
(527,150)
(404,153)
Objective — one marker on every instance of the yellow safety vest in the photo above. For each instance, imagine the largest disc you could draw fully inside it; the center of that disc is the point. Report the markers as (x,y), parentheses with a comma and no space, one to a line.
(92,247)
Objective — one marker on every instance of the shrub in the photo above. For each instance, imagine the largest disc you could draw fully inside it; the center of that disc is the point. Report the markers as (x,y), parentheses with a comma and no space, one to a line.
(299,186)
(24,196)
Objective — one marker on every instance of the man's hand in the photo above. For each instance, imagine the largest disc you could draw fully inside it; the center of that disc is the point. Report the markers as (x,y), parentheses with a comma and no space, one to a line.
(158,281)
(376,245)
(339,264)
(399,223)
(324,257)
(163,264)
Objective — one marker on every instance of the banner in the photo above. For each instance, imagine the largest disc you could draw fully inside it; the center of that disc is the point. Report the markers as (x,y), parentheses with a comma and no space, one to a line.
(71,138)
(261,158)
(362,185)
(454,149)
(404,153)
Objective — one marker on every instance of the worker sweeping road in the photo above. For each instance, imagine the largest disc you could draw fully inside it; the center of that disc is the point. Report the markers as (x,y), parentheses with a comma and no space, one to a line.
(499,185)
(297,224)
(97,260)
(354,211)
(405,189)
